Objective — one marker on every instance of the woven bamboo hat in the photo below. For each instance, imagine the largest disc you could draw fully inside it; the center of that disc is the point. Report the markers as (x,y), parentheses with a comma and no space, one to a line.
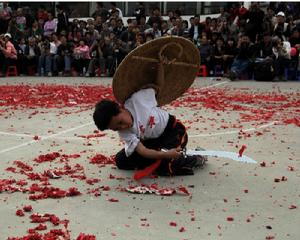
(140,67)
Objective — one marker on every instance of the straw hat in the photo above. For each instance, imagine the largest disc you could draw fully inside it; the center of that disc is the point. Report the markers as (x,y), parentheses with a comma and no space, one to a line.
(140,67)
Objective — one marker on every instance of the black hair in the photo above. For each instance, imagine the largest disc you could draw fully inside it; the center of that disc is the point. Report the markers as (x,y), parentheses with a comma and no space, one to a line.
(104,111)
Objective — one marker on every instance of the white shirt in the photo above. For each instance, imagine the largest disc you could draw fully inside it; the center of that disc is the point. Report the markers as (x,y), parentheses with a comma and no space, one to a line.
(149,121)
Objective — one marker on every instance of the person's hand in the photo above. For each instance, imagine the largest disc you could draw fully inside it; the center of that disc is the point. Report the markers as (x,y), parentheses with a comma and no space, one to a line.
(174,153)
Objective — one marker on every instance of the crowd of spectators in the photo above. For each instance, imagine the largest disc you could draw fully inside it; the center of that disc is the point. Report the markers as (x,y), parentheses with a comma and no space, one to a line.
(38,44)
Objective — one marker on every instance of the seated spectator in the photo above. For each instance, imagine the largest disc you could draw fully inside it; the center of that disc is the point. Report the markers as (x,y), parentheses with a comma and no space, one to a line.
(154,31)
(9,53)
(165,31)
(35,30)
(31,54)
(64,52)
(229,54)
(263,47)
(217,57)
(102,56)
(281,57)
(49,26)
(241,65)
(177,30)
(20,47)
(81,57)
(205,50)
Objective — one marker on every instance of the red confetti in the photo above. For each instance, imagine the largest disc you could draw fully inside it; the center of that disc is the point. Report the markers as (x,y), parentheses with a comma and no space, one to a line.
(27,208)
(83,236)
(262,164)
(173,224)
(182,229)
(20,213)
(292,206)
(113,200)
(241,151)
(230,219)
(36,137)
(101,159)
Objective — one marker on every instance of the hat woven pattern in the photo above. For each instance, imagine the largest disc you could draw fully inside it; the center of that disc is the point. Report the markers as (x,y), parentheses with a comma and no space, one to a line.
(139,68)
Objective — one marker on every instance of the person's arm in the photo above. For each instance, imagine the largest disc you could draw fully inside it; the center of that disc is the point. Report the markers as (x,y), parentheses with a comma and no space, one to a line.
(154,154)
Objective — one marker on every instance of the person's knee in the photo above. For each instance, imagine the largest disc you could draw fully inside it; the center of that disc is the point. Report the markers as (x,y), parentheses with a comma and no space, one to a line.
(121,160)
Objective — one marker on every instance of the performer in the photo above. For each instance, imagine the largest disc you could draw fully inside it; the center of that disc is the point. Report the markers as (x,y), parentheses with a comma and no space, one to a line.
(151,135)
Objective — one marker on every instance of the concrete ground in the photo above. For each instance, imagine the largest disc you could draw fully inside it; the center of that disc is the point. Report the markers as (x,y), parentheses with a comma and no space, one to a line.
(229,199)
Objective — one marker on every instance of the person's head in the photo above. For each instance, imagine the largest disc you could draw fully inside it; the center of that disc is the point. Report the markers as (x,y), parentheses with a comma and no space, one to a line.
(19,12)
(267,37)
(31,41)
(204,39)
(140,38)
(156,11)
(7,37)
(82,42)
(109,115)
(280,17)
(197,19)
(50,16)
(63,40)
(220,42)
(245,38)
(230,41)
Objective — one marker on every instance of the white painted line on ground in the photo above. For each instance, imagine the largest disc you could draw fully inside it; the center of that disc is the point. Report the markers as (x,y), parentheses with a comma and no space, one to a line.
(232,132)
(214,85)
(16,134)
(44,138)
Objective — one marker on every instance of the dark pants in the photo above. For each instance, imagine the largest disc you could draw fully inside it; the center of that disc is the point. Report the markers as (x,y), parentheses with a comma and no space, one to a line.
(174,136)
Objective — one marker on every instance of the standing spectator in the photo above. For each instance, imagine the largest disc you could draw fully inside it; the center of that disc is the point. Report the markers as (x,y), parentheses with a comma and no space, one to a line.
(120,28)
(139,12)
(64,52)
(255,18)
(196,29)
(31,54)
(155,18)
(101,11)
(21,22)
(113,9)
(98,23)
(62,20)
(281,27)
(143,25)
(9,52)
(42,14)
(50,26)
(81,57)
(13,29)
(5,16)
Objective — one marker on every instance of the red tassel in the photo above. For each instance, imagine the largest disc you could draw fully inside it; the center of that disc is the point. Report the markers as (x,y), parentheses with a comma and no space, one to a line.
(147,171)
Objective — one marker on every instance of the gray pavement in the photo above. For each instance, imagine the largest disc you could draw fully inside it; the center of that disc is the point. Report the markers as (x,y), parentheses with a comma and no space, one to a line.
(224,190)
